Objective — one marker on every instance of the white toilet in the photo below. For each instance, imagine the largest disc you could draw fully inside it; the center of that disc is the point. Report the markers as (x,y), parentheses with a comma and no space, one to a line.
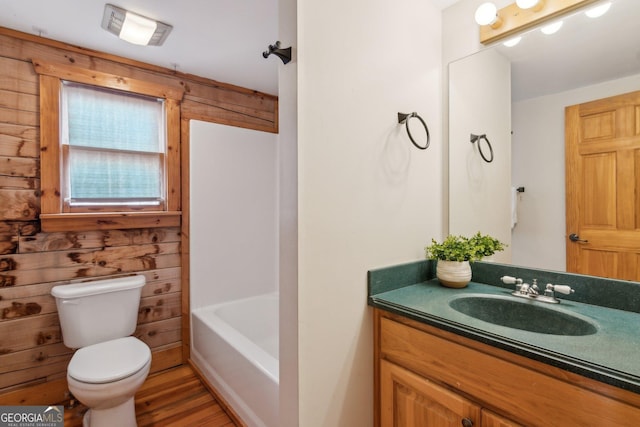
(109,366)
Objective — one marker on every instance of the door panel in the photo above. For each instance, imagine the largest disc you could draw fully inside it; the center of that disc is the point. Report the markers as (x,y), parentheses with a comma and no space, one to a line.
(489,419)
(599,182)
(408,400)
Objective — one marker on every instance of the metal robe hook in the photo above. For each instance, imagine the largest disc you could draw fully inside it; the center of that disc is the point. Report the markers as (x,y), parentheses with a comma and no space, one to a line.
(479,138)
(284,54)
(404,118)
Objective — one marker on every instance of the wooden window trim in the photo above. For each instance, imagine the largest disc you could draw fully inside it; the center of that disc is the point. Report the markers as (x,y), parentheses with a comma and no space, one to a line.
(108,221)
(52,217)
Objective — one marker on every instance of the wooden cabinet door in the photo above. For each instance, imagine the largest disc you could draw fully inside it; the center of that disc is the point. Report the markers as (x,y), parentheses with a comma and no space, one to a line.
(489,419)
(409,400)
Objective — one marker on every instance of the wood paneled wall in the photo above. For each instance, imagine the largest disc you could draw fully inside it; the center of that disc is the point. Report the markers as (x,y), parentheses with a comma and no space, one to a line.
(32,262)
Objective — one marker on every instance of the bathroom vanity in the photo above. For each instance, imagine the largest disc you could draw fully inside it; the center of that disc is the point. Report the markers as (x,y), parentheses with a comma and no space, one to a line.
(438,364)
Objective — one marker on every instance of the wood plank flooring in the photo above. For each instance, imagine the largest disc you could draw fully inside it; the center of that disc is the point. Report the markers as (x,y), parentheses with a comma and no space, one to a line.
(175,397)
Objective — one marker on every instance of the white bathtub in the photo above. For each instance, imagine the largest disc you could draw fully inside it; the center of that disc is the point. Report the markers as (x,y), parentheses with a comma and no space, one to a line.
(235,345)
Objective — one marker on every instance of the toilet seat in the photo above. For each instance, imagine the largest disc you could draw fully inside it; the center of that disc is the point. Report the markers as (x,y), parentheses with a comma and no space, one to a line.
(109,361)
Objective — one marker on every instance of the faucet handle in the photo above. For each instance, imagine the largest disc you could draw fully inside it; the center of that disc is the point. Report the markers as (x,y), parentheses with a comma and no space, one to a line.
(509,280)
(563,289)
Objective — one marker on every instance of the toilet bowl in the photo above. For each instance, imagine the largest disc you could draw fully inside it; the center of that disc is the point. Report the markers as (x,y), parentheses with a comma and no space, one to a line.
(97,318)
(106,376)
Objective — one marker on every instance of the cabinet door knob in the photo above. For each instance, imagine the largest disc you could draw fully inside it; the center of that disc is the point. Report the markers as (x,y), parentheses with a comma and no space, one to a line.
(466,422)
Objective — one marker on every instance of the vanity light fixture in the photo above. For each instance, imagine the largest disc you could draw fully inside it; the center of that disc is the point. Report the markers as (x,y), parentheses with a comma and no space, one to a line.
(551,28)
(134,28)
(522,15)
(487,14)
(598,11)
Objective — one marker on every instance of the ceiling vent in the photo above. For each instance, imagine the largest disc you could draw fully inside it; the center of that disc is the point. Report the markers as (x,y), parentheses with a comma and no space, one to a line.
(134,28)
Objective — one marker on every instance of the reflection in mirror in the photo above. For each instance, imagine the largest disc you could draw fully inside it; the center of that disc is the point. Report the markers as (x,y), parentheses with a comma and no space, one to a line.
(587,59)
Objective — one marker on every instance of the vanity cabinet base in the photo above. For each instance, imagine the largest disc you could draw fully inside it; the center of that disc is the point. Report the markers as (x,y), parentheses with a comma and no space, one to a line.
(428,377)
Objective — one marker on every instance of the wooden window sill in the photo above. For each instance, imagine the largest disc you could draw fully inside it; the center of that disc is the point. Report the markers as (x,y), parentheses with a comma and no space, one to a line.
(108,220)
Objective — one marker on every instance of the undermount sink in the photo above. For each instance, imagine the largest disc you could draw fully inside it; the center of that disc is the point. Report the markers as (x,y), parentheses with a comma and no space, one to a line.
(523,314)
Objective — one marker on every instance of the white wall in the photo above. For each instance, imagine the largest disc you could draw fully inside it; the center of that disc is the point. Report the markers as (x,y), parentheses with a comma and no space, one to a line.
(479,192)
(233,221)
(460,33)
(539,166)
(288,218)
(367,197)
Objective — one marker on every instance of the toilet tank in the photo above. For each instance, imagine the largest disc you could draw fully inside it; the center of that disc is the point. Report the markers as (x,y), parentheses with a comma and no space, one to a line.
(99,310)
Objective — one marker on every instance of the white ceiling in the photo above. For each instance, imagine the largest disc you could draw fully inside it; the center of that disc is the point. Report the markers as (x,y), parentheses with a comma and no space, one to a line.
(224,39)
(219,39)
(443,4)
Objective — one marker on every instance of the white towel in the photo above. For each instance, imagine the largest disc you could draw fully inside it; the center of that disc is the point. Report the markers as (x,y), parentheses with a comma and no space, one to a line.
(514,207)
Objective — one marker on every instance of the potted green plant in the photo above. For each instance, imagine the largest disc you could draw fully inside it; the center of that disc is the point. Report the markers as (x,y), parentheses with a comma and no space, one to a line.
(455,253)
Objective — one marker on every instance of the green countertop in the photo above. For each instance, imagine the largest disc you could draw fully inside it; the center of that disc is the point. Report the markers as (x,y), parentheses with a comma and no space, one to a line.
(611,355)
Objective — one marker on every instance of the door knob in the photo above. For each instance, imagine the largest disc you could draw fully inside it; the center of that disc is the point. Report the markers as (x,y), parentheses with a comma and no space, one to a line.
(466,422)
(575,238)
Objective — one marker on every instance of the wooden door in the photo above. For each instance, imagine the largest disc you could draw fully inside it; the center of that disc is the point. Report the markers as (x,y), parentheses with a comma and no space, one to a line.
(409,400)
(602,150)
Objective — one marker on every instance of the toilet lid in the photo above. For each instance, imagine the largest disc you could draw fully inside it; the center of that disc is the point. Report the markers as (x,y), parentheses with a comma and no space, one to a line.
(109,361)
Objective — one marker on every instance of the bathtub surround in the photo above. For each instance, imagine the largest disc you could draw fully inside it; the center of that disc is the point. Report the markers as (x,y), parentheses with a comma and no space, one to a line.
(233,213)
(234,306)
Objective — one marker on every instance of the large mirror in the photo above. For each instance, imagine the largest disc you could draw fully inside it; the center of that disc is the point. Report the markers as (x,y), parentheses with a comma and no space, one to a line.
(516,96)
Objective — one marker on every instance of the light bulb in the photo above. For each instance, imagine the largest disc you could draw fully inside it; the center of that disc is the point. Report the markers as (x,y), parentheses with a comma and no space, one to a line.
(598,11)
(137,29)
(486,14)
(526,4)
(513,41)
(551,28)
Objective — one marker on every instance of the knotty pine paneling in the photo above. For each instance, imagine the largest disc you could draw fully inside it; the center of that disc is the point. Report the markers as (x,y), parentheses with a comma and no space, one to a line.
(19,205)
(18,166)
(32,262)
(18,76)
(97,239)
(22,118)
(19,141)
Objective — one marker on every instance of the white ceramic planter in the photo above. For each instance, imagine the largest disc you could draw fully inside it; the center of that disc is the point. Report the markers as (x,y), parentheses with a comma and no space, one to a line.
(453,274)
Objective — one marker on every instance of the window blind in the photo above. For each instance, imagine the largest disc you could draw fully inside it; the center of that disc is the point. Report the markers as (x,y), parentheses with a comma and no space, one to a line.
(113,146)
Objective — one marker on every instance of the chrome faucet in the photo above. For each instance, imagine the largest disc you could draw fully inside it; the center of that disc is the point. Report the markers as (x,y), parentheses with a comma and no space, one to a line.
(525,290)
(528,290)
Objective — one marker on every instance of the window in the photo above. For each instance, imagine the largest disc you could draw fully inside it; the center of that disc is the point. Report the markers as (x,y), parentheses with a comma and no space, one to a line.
(113,149)
(109,150)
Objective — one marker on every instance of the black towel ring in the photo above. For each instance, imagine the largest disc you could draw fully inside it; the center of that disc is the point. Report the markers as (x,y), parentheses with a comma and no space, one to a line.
(404,118)
(478,138)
